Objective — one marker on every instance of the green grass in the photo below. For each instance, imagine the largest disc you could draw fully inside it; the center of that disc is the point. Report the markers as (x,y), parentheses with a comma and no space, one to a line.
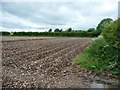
(99,56)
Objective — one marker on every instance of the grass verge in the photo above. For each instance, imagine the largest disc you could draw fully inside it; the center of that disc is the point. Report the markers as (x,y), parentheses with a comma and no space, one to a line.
(99,56)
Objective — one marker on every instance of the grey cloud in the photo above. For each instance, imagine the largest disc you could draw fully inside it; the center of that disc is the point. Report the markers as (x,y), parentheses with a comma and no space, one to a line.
(119,9)
(44,15)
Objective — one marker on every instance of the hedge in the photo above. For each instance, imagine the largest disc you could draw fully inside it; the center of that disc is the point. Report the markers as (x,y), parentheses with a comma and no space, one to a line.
(112,34)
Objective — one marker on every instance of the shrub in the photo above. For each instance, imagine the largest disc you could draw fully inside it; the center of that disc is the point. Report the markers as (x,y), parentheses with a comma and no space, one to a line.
(112,34)
(99,56)
(101,26)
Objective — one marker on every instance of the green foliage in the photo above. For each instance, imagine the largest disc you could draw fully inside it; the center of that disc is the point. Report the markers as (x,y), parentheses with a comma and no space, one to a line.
(112,34)
(4,33)
(50,30)
(60,33)
(56,30)
(60,30)
(69,29)
(91,29)
(99,56)
(101,26)
(92,32)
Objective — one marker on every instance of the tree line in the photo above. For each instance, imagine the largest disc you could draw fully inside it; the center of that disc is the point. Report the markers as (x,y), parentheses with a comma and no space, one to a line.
(91,32)
(77,33)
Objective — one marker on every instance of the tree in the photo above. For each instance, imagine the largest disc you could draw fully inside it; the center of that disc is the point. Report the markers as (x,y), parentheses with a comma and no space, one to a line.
(69,29)
(4,33)
(50,30)
(60,30)
(91,29)
(101,26)
(56,30)
(112,34)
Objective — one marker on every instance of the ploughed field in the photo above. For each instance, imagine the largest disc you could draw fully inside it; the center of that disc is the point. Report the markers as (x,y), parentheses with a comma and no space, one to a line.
(43,62)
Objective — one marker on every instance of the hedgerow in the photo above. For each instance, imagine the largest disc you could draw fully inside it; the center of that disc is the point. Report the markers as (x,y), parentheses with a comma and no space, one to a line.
(112,34)
(64,33)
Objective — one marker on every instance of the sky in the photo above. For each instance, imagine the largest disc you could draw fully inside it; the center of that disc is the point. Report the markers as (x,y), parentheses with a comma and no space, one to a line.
(38,15)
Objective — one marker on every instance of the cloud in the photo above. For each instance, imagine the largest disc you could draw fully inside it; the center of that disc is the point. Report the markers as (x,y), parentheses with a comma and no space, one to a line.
(119,9)
(59,0)
(12,19)
(45,15)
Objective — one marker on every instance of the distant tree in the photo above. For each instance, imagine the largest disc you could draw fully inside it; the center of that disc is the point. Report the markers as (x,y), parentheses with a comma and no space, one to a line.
(56,30)
(101,26)
(91,29)
(50,30)
(69,29)
(4,33)
(60,30)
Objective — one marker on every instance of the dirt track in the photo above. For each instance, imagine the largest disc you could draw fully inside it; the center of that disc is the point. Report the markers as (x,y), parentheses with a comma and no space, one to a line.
(43,62)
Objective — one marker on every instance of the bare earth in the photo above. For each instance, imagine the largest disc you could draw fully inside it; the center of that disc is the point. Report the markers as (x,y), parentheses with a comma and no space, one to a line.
(46,62)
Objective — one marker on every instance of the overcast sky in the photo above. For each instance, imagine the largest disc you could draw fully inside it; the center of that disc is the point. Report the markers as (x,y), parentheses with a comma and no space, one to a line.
(41,16)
